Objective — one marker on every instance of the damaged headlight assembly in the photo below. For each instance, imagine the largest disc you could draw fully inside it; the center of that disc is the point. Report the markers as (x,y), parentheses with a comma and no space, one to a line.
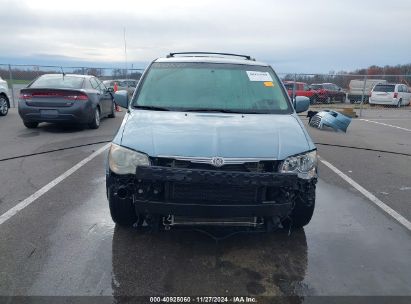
(125,161)
(305,165)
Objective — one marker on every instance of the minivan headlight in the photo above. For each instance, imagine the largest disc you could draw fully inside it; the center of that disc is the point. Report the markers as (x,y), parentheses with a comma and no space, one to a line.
(125,161)
(305,165)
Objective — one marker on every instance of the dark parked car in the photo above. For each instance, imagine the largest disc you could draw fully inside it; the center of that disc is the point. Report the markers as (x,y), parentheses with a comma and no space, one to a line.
(61,98)
(328,92)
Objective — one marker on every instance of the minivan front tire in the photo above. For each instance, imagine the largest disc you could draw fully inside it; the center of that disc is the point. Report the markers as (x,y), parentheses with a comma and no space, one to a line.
(303,210)
(122,211)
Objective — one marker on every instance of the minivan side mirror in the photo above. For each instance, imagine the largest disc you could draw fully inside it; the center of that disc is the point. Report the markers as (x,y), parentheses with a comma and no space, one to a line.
(302,104)
(121,98)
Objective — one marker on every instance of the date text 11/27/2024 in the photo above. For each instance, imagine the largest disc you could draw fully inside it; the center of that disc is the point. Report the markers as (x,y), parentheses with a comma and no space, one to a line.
(239,299)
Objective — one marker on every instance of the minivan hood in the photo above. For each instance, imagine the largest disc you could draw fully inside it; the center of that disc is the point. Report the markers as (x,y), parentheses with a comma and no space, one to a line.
(159,133)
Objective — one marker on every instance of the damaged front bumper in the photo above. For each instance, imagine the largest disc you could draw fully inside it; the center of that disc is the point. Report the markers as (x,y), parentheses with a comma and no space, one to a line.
(164,191)
(332,119)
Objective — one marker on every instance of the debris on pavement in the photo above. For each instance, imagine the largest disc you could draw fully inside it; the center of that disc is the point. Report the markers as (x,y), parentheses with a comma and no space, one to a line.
(328,118)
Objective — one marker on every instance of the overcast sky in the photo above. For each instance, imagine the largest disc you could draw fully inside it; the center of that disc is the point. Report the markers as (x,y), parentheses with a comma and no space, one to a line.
(292,35)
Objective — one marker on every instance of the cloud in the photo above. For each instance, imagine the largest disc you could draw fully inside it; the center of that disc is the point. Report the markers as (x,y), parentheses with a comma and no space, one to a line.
(300,36)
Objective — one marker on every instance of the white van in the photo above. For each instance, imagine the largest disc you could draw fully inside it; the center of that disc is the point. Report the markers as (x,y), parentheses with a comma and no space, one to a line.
(390,94)
(356,87)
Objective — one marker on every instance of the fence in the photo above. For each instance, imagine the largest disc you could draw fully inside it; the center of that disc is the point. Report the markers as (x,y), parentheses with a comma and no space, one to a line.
(353,91)
(331,91)
(19,76)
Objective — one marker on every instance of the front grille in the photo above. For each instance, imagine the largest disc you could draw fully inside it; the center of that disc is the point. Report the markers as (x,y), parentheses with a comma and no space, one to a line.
(259,167)
(315,121)
(191,186)
(213,194)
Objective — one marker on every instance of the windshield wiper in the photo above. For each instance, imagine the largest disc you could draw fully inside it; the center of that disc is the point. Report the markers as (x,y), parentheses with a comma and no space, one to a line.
(152,108)
(211,110)
(225,111)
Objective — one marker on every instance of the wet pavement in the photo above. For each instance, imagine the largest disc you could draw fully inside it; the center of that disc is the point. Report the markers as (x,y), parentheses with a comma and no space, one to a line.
(66,244)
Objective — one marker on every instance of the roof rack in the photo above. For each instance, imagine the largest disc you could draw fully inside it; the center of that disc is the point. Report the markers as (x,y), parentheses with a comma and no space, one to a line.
(209,53)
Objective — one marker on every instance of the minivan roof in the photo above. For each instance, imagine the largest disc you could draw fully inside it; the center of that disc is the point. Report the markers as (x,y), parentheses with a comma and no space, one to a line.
(211,59)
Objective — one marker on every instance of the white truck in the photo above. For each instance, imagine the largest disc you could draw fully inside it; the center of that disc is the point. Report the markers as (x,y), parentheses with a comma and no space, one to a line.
(356,88)
(4,97)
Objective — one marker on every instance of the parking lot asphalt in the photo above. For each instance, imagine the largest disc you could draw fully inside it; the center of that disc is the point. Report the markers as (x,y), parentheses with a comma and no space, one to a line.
(386,175)
(21,177)
(64,242)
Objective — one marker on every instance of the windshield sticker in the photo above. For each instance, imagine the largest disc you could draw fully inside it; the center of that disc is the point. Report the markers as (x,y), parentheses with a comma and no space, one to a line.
(268,83)
(259,76)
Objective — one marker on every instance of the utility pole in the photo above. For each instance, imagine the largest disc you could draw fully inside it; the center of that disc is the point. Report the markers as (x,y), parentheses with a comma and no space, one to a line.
(12,86)
(363,93)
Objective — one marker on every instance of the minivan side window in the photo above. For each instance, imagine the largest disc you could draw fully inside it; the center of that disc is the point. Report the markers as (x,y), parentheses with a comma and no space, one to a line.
(400,88)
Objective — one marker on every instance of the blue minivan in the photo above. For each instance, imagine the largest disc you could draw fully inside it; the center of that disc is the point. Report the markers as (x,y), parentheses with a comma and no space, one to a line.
(211,139)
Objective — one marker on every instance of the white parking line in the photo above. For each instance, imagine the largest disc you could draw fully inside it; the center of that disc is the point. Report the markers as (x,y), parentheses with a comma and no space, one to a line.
(378,118)
(23,204)
(387,125)
(398,217)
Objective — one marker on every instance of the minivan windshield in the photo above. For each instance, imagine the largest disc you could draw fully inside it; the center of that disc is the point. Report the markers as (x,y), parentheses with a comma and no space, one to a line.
(212,87)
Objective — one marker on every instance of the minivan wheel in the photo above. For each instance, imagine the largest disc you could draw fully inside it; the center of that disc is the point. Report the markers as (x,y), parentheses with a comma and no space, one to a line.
(95,123)
(122,211)
(4,106)
(30,125)
(303,210)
